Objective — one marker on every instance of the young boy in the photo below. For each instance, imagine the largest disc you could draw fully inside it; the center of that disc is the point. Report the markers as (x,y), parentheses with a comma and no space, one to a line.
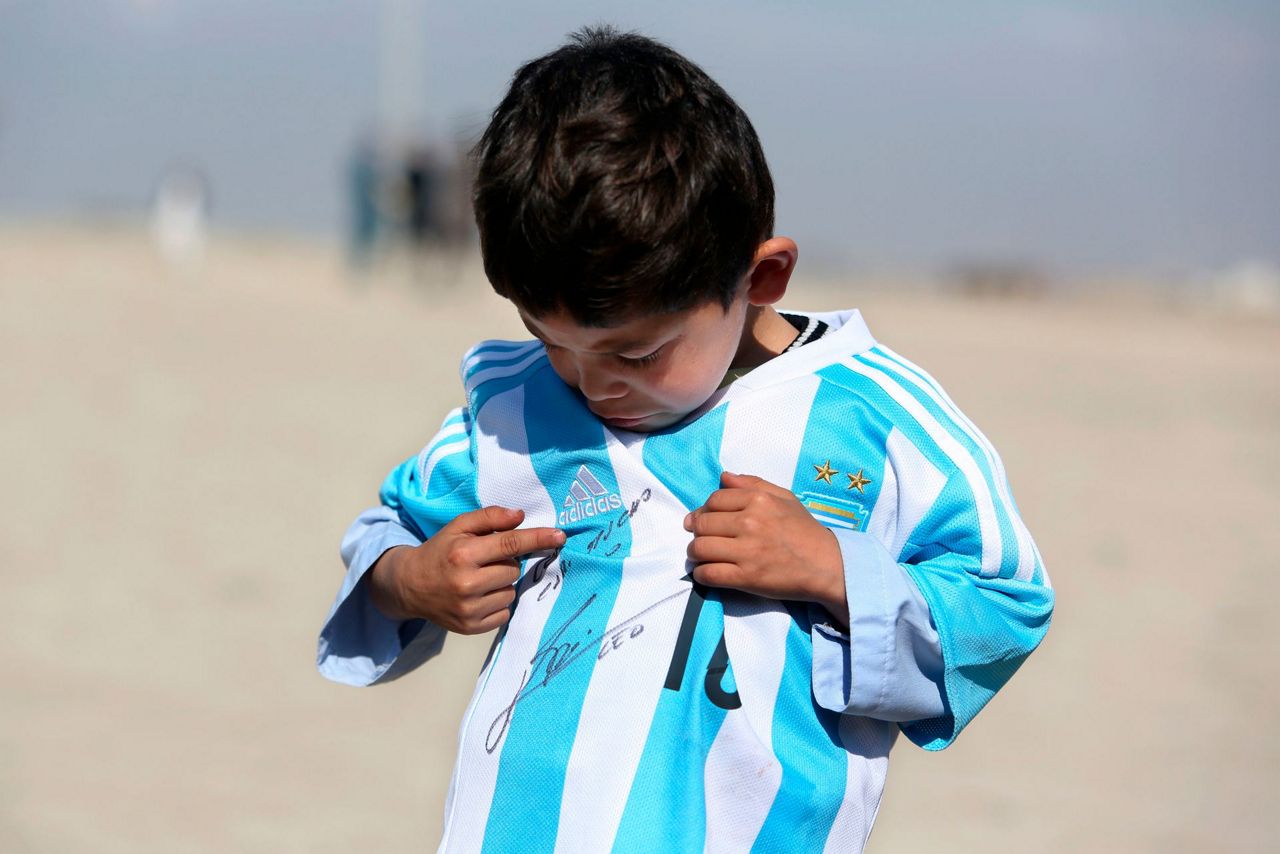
(687,658)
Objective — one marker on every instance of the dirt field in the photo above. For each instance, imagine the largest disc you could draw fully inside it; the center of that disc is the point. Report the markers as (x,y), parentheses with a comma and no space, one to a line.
(179,455)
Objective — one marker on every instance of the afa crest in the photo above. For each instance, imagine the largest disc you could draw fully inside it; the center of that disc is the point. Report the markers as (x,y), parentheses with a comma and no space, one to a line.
(837,512)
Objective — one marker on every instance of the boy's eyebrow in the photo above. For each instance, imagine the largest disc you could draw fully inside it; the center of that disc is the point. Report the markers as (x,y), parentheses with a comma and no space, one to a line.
(610,346)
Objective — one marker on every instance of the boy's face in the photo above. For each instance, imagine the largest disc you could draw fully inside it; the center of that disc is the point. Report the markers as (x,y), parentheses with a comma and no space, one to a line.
(649,372)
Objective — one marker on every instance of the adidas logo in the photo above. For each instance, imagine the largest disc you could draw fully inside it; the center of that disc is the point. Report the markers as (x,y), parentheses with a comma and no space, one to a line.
(587,497)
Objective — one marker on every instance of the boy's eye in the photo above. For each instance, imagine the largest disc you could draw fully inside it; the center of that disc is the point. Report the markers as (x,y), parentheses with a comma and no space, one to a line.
(641,360)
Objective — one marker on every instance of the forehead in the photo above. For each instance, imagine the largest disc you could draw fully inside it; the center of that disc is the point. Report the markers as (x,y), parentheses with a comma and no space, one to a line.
(637,333)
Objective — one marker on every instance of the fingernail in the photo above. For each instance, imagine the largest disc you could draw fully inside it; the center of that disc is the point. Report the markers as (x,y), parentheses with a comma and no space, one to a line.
(559,537)
(688,522)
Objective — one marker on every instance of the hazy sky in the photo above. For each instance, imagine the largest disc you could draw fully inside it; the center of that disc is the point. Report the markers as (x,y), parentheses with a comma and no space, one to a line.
(1077,135)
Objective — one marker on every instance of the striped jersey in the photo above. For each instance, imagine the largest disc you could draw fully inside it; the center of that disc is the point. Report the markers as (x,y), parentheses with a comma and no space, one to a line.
(624,707)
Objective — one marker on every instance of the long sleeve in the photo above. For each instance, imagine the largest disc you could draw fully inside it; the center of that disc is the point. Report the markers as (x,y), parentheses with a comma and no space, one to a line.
(358,645)
(898,672)
(944,533)
(990,612)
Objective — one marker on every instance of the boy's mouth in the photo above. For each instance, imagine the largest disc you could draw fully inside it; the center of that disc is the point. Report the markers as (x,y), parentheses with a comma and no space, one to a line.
(624,422)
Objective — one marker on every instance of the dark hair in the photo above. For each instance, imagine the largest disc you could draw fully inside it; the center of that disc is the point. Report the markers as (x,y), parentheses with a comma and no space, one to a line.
(616,180)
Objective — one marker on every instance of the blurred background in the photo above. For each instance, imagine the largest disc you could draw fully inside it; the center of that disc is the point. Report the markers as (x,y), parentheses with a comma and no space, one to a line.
(237,272)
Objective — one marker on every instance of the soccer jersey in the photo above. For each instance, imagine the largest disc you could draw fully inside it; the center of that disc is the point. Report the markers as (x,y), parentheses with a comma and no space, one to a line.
(624,707)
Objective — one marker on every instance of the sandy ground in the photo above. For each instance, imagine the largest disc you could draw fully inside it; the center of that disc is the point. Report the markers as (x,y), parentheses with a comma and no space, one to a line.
(179,455)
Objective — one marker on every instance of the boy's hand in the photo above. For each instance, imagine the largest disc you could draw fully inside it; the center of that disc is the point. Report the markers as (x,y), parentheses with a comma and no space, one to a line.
(755,536)
(463,577)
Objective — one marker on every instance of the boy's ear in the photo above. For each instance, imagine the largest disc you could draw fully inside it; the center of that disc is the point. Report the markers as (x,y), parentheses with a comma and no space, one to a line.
(771,269)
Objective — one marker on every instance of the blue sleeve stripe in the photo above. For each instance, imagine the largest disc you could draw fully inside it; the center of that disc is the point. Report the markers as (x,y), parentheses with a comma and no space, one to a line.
(1028,562)
(488,359)
(495,385)
(917,415)
(450,440)
(489,374)
(451,468)
(496,351)
(1010,545)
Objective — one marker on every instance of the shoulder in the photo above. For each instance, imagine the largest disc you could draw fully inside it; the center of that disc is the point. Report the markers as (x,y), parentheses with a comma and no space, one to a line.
(494,363)
(906,399)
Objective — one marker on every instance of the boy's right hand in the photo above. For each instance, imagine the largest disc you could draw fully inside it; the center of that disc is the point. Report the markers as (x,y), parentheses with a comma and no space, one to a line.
(462,578)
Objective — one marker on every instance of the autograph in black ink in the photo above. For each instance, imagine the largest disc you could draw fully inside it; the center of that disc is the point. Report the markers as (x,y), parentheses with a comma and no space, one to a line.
(617,524)
(543,568)
(557,654)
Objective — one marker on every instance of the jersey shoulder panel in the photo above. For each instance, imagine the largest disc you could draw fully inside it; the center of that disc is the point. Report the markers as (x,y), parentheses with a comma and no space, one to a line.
(494,365)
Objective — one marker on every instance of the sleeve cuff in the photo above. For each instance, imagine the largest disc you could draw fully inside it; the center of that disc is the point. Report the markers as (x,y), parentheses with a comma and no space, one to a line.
(359,645)
(889,665)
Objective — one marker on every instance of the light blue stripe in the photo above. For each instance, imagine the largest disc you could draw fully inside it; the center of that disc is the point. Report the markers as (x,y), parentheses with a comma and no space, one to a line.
(990,452)
(1008,537)
(851,436)
(906,423)
(481,393)
(687,460)
(807,743)
(496,347)
(525,811)
(449,473)
(666,807)
(500,361)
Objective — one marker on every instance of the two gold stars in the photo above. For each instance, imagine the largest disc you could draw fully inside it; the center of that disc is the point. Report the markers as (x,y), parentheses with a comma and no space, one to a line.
(826,472)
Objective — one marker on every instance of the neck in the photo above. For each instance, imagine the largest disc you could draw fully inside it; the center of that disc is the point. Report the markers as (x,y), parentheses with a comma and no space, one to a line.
(765,335)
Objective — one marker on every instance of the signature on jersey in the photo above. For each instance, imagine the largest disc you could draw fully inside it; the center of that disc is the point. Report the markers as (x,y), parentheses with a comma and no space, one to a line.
(559,652)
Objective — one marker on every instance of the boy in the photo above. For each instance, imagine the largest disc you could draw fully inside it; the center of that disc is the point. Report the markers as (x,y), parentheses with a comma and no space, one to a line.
(687,658)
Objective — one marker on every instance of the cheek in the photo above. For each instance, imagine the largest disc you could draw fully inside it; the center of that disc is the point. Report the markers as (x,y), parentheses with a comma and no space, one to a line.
(686,384)
(564,367)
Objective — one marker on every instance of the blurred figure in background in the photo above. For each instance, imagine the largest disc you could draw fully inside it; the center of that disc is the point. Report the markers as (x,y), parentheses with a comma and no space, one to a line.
(179,216)
(364,217)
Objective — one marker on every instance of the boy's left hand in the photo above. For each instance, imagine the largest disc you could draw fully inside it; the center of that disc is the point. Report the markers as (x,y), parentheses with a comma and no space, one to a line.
(755,536)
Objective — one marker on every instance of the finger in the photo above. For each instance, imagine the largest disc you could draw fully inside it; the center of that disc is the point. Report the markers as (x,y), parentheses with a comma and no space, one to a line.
(748,481)
(498,600)
(713,524)
(487,624)
(726,500)
(717,574)
(497,576)
(486,520)
(472,582)
(713,549)
(522,541)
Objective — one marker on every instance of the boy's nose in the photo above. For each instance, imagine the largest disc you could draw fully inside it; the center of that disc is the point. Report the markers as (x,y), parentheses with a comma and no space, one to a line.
(598,385)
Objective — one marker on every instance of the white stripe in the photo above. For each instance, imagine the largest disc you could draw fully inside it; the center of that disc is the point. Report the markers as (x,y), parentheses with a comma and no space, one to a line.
(883,524)
(476,771)
(439,453)
(742,772)
(622,696)
(1026,556)
(496,350)
(988,525)
(444,443)
(908,508)
(867,743)
(487,374)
